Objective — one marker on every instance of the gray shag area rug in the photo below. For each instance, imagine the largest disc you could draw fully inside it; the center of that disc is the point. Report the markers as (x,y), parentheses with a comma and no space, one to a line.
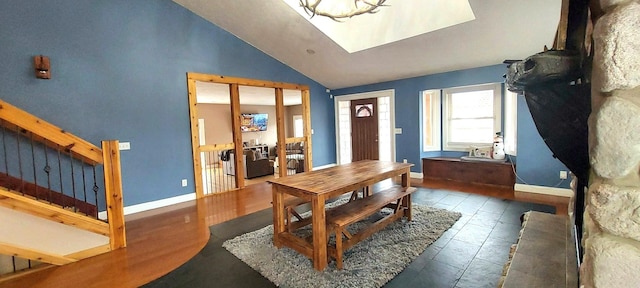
(370,263)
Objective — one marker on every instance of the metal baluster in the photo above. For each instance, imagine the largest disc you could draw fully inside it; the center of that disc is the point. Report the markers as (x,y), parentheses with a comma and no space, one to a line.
(20,163)
(220,175)
(204,158)
(73,183)
(61,184)
(95,188)
(47,169)
(4,148)
(211,172)
(13,259)
(33,163)
(84,183)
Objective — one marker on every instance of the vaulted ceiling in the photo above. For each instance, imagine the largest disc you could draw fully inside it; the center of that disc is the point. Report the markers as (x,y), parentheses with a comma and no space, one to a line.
(502,29)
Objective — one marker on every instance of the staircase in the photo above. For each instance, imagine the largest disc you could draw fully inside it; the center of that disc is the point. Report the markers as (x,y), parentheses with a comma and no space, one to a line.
(52,185)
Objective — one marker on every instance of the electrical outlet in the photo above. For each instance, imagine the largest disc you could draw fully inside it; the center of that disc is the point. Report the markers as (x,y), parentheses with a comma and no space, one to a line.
(404,160)
(124,145)
(563,174)
(184,182)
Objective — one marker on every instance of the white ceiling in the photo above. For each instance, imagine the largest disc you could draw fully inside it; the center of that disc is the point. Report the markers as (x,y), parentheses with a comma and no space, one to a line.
(502,29)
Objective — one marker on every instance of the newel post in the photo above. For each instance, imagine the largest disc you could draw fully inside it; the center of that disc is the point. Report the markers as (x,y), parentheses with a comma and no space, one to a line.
(113,194)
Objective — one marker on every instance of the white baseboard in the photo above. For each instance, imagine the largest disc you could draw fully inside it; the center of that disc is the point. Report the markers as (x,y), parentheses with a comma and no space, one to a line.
(324,166)
(192,196)
(554,191)
(416,175)
(152,205)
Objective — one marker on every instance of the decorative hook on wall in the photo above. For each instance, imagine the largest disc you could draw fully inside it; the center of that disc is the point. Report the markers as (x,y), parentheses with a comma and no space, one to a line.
(42,67)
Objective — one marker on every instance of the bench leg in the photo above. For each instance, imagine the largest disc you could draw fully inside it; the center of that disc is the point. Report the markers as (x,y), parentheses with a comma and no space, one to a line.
(339,248)
(406,204)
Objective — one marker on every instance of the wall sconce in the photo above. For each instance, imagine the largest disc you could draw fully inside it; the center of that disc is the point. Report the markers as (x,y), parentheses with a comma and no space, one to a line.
(42,66)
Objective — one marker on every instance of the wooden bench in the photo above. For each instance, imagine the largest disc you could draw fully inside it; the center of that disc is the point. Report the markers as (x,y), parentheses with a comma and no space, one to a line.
(290,205)
(339,218)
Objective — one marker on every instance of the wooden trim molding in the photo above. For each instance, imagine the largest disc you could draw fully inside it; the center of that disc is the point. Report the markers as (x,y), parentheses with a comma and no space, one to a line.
(28,253)
(244,81)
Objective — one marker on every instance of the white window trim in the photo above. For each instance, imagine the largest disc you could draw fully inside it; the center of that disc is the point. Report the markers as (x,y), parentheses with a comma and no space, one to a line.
(436,96)
(510,123)
(497,123)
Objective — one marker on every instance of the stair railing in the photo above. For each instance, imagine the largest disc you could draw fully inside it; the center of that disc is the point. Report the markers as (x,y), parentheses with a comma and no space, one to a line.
(43,166)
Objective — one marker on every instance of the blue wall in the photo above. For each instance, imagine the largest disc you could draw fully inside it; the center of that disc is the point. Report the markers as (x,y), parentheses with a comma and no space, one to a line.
(119,72)
(535,163)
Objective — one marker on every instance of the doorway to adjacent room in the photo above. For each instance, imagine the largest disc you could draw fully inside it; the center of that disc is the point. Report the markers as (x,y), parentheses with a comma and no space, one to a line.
(358,137)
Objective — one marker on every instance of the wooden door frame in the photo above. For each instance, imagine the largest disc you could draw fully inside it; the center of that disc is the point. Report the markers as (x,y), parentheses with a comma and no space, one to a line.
(373,94)
(234,83)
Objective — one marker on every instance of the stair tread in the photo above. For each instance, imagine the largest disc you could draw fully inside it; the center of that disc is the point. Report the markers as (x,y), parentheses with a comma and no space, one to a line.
(28,231)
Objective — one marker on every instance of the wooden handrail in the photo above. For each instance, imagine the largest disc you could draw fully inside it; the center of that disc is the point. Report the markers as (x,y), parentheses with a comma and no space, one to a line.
(49,134)
(32,127)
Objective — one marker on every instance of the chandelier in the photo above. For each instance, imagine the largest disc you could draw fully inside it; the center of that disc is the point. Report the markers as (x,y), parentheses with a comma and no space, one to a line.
(340,9)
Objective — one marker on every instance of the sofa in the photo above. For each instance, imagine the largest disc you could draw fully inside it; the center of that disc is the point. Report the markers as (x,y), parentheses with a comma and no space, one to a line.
(254,165)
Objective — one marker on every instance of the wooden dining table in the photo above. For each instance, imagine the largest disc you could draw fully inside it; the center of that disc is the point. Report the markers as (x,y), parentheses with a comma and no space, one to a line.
(318,186)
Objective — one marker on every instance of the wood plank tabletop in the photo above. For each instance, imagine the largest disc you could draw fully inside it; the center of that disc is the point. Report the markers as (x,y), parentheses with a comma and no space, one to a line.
(342,176)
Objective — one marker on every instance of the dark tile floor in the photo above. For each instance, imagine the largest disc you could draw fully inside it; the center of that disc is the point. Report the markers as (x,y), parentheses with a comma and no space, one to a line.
(470,254)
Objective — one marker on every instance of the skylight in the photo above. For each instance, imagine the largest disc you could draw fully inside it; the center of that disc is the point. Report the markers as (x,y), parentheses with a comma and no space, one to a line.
(401,19)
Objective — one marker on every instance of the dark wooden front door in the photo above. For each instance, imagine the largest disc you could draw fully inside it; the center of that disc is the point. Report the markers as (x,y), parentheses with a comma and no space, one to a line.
(364,129)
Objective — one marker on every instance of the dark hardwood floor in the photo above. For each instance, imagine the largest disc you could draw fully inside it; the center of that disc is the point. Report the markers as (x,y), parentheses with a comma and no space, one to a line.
(161,240)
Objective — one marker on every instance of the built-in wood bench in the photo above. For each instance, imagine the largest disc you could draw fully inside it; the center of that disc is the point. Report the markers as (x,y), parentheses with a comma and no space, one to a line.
(339,218)
(475,172)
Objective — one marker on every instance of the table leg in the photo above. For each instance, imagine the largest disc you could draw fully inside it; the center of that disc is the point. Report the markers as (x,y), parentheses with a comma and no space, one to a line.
(319,228)
(406,201)
(405,179)
(407,205)
(278,215)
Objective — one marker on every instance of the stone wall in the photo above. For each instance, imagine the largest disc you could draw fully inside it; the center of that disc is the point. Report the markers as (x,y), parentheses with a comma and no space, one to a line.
(612,216)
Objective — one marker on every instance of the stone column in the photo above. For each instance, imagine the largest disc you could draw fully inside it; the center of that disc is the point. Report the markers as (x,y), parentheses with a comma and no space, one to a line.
(611,236)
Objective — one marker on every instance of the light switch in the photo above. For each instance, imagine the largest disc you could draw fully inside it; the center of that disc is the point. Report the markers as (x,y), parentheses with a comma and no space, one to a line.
(398,130)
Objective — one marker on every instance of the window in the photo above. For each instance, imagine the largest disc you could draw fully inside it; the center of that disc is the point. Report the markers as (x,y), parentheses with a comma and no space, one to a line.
(471,116)
(510,122)
(431,120)
(298,126)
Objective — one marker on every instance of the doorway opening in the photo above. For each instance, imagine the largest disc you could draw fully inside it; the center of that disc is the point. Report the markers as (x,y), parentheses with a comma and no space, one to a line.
(384,108)
(248,118)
